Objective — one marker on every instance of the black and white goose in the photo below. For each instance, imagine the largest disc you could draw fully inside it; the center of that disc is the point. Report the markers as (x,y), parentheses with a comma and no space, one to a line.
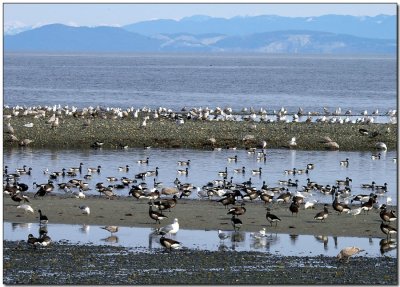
(183,171)
(77,168)
(143,161)
(157,216)
(124,168)
(257,171)
(345,162)
(339,206)
(321,216)
(42,218)
(272,218)
(237,210)
(386,215)
(388,230)
(94,169)
(33,241)
(169,243)
(236,223)
(184,162)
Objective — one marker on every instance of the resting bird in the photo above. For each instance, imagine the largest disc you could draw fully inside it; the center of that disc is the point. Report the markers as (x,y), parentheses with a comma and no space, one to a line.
(85,209)
(347,252)
(170,229)
(169,243)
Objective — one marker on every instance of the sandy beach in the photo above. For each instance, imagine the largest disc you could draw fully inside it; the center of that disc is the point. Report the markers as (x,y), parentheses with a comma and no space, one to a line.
(194,214)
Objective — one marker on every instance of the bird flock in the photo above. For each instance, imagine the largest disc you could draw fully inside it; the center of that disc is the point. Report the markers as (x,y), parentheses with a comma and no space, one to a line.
(296,192)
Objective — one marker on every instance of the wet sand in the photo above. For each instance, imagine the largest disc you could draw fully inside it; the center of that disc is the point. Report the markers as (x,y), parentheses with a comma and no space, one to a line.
(194,214)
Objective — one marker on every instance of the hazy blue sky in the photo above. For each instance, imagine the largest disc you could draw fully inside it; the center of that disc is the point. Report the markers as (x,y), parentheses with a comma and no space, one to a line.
(122,14)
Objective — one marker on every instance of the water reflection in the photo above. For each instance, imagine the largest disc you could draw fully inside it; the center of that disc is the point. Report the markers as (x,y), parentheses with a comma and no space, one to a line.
(322,239)
(387,245)
(148,239)
(362,168)
(111,239)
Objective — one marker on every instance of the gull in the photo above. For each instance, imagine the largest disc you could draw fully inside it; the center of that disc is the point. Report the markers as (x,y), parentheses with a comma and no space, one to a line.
(28,125)
(111,228)
(26,208)
(292,142)
(347,252)
(310,204)
(355,211)
(260,234)
(172,228)
(85,209)
(381,146)
(9,128)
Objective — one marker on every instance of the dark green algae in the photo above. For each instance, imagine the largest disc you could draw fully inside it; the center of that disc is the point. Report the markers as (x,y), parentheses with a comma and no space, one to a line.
(64,264)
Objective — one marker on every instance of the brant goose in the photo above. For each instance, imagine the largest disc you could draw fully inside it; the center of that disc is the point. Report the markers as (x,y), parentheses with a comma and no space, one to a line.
(272,218)
(323,214)
(387,216)
(169,243)
(236,223)
(33,241)
(237,210)
(345,162)
(42,218)
(388,230)
(294,207)
(155,215)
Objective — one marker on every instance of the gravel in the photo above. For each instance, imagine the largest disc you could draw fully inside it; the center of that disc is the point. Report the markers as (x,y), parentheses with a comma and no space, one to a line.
(62,263)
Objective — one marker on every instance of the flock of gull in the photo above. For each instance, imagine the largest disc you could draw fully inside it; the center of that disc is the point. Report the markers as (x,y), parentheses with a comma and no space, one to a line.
(57,112)
(234,196)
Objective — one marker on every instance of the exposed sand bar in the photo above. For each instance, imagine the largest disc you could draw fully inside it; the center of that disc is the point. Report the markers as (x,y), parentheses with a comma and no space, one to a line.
(194,214)
(78,132)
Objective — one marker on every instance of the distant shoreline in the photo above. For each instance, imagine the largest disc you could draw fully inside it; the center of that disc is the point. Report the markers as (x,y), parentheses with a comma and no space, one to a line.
(82,131)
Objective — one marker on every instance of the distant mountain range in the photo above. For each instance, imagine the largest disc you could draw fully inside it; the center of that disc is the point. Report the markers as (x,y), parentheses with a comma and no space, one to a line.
(380,26)
(265,34)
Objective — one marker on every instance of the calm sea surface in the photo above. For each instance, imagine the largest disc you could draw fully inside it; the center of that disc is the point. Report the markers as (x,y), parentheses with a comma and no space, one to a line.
(198,80)
(205,165)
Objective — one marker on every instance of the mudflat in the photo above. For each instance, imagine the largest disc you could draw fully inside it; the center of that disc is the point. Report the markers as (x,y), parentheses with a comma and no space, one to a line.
(199,214)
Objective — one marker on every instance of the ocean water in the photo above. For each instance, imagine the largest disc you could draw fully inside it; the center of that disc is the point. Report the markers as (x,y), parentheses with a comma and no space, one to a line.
(205,165)
(197,80)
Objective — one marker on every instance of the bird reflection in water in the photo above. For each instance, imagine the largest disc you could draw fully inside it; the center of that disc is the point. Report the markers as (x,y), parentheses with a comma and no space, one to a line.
(264,241)
(293,238)
(111,239)
(236,238)
(15,226)
(323,239)
(154,236)
(387,245)
(84,229)
(42,230)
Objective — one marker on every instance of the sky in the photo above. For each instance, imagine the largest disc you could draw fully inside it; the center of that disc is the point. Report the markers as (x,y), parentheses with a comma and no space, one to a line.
(96,14)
